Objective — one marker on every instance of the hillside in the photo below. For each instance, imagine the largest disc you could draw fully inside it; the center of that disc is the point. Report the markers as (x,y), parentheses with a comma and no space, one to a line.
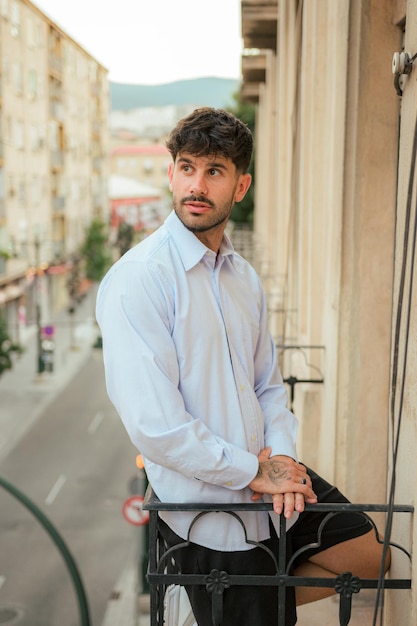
(210,91)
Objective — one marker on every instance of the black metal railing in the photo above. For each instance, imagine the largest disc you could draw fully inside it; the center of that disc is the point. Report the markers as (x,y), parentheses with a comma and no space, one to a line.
(162,572)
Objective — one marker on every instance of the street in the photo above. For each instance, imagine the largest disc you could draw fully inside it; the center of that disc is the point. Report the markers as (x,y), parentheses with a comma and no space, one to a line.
(76,464)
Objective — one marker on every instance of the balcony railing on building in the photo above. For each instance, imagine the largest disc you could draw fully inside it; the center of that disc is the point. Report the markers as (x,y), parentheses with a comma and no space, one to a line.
(56,110)
(55,62)
(162,571)
(57,158)
(58,203)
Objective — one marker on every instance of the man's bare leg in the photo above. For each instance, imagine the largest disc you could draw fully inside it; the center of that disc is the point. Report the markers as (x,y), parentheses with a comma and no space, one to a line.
(361,556)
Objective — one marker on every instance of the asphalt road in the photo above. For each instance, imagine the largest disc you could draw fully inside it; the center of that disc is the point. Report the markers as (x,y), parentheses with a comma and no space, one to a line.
(77,465)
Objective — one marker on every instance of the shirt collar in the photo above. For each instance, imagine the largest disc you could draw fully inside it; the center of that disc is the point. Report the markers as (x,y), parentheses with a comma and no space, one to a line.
(190,249)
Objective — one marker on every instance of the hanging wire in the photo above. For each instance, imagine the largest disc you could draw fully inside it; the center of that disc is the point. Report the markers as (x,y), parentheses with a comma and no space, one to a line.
(397,422)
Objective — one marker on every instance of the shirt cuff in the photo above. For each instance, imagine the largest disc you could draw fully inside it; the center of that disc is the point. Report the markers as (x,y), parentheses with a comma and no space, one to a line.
(246,467)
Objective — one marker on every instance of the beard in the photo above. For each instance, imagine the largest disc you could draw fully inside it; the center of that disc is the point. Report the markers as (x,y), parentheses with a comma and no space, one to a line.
(200,223)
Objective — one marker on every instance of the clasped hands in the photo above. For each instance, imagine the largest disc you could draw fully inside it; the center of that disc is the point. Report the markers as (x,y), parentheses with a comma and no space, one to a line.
(285,480)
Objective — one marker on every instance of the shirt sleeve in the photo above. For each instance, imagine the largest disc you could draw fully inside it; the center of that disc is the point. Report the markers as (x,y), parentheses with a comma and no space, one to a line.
(135,312)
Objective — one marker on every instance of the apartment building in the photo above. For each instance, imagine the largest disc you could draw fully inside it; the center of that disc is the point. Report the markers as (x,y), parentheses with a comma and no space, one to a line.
(145,163)
(334,84)
(54,107)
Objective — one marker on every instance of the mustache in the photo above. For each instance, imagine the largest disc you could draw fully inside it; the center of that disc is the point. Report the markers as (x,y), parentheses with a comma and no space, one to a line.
(197,199)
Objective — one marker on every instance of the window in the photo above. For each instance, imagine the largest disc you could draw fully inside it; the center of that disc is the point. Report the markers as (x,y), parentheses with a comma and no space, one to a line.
(8,131)
(32,84)
(2,184)
(41,86)
(36,190)
(53,136)
(33,137)
(17,78)
(39,30)
(147,166)
(31,32)
(21,192)
(4,8)
(121,164)
(19,132)
(15,18)
(6,69)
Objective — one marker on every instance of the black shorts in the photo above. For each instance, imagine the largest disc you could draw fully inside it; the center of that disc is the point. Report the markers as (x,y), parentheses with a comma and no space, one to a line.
(258,605)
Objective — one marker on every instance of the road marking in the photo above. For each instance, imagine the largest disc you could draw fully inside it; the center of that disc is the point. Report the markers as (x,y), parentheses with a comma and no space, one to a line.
(55,489)
(2,581)
(98,418)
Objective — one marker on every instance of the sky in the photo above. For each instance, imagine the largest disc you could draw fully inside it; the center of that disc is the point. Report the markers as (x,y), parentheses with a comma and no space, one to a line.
(151,42)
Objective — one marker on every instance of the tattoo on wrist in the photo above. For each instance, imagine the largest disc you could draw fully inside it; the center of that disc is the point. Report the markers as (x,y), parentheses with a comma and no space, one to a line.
(277,472)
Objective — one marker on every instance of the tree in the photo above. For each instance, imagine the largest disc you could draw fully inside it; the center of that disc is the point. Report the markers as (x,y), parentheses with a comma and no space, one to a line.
(74,280)
(95,251)
(125,235)
(7,347)
(243,211)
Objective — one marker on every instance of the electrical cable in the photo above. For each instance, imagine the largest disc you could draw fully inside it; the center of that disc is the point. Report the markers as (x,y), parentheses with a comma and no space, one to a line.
(396,430)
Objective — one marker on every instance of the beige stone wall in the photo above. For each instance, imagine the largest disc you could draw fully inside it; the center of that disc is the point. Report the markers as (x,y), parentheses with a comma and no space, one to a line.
(333,247)
(328,129)
(402,607)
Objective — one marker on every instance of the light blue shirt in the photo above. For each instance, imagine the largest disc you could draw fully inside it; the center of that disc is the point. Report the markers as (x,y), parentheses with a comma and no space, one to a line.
(191,369)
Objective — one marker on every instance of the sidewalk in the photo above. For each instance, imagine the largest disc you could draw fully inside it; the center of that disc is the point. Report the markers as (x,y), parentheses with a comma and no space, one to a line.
(24,394)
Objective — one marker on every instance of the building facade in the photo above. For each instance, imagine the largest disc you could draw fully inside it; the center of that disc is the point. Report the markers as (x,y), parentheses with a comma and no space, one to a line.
(145,163)
(54,108)
(334,83)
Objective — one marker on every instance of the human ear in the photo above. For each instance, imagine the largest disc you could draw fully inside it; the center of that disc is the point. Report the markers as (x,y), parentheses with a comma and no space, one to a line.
(170,175)
(243,185)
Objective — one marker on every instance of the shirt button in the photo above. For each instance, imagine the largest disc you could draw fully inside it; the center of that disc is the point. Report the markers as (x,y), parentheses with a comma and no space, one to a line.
(253,438)
(229,484)
(242,387)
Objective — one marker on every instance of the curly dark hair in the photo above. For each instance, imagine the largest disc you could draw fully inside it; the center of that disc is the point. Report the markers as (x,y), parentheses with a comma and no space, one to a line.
(208,131)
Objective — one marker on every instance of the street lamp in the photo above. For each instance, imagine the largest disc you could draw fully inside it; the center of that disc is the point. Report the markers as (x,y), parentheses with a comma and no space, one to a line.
(40,364)
(44,336)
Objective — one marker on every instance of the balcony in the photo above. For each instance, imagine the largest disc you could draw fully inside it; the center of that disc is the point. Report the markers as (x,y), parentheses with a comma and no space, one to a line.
(57,159)
(259,24)
(58,203)
(162,572)
(55,63)
(96,127)
(97,164)
(95,89)
(56,110)
(253,73)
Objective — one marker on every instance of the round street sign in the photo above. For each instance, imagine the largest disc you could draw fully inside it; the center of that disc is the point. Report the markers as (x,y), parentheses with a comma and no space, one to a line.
(133,512)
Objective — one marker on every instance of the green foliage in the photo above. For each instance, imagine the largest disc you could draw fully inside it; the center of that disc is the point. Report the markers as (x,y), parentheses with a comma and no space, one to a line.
(243,211)
(95,251)
(7,347)
(74,279)
(125,236)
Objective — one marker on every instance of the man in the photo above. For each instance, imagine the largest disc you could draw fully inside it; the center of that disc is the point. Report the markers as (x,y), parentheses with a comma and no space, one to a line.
(191,369)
